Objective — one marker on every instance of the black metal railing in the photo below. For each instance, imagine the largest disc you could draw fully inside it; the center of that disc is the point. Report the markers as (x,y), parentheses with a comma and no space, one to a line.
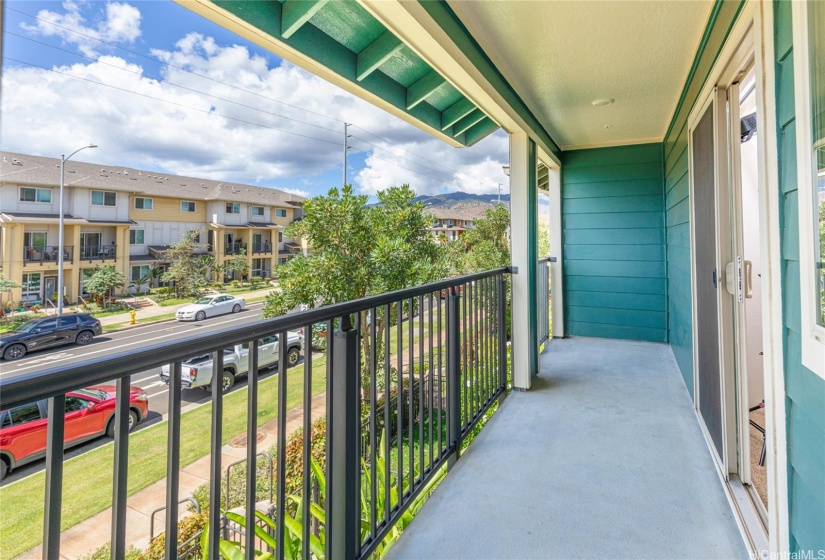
(259,273)
(543,287)
(405,377)
(98,252)
(234,248)
(265,247)
(47,254)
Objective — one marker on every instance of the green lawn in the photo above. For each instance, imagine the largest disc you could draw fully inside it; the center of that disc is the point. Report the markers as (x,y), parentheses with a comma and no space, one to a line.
(87,479)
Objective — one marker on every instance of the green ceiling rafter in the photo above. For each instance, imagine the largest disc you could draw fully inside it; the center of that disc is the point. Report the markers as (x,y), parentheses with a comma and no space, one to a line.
(296,13)
(347,45)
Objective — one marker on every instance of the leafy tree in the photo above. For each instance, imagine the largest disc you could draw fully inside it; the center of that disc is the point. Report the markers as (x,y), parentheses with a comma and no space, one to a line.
(6,286)
(357,251)
(237,263)
(485,246)
(544,240)
(185,269)
(101,283)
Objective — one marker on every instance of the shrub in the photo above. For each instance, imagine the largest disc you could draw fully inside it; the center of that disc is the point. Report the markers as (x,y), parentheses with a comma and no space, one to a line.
(188,527)
(105,553)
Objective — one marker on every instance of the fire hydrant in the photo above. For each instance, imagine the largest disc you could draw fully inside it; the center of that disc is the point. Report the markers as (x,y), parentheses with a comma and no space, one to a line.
(132,314)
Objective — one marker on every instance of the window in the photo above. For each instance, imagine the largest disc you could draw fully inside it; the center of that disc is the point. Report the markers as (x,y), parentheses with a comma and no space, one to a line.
(31,283)
(257,211)
(187,206)
(136,237)
(24,414)
(280,237)
(73,404)
(35,195)
(104,198)
(139,272)
(282,260)
(233,208)
(69,322)
(809,87)
(144,203)
(36,239)
(280,213)
(85,274)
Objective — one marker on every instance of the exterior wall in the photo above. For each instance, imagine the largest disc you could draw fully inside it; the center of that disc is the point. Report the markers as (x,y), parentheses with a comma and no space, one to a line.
(10,200)
(80,205)
(163,233)
(677,189)
(168,210)
(614,243)
(805,390)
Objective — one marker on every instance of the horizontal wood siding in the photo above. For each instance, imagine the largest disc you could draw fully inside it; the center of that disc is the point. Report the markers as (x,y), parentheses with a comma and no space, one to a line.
(614,243)
(168,210)
(805,390)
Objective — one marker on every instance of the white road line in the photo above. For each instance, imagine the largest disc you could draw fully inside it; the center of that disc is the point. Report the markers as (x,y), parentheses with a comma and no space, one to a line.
(111,348)
(155,384)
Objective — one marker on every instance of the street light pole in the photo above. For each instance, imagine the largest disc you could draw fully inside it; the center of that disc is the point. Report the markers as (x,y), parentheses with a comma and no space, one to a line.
(60,288)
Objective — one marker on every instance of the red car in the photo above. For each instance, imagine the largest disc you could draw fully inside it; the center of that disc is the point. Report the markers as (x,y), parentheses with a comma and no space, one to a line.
(89,414)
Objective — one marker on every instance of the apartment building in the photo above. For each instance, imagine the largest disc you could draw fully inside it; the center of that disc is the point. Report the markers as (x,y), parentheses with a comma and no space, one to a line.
(451,222)
(128,218)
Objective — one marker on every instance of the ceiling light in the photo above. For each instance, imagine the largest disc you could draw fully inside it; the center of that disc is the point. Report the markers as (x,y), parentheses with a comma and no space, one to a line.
(602,102)
(607,127)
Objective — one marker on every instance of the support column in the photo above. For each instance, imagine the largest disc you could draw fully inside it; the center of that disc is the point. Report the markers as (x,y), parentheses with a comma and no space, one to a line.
(122,259)
(13,258)
(524,257)
(556,248)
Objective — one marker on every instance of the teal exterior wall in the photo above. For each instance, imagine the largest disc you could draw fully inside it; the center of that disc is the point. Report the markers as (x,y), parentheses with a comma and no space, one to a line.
(614,243)
(805,391)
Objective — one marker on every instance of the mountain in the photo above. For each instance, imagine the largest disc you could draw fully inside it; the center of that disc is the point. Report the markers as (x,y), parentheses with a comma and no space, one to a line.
(451,200)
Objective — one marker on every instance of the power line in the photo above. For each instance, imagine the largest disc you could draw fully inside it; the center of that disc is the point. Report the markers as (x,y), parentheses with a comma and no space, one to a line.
(182,105)
(405,159)
(399,165)
(393,144)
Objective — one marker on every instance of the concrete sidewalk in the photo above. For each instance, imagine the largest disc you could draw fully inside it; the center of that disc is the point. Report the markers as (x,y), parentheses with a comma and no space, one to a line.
(89,535)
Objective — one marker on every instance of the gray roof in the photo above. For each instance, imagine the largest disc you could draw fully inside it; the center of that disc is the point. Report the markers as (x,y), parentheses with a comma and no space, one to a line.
(27,169)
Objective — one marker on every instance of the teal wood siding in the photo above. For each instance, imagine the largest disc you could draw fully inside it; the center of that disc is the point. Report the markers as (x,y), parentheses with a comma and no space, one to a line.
(805,391)
(677,191)
(614,243)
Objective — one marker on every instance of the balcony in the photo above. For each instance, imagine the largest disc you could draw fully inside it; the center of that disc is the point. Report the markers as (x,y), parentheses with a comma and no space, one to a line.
(98,252)
(261,248)
(47,255)
(234,248)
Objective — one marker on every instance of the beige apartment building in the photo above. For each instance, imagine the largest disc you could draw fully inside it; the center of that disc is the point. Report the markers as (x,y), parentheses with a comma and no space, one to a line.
(128,218)
(453,222)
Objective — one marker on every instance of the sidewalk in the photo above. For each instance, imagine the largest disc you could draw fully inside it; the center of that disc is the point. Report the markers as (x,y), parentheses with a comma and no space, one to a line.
(88,535)
(156,310)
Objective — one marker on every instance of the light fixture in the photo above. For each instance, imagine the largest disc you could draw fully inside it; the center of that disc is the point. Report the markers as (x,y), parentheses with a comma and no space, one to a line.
(506,169)
(602,102)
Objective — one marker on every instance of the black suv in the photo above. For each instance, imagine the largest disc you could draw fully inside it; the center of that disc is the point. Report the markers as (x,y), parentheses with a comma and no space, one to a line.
(77,328)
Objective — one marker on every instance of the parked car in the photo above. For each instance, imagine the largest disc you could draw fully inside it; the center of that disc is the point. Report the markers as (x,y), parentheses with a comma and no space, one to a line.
(77,328)
(210,306)
(197,371)
(89,414)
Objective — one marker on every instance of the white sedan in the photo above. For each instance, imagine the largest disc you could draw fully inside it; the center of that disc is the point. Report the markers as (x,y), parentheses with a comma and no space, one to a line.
(209,306)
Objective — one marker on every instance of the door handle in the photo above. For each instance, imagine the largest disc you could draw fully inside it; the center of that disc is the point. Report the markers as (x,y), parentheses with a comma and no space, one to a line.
(748,279)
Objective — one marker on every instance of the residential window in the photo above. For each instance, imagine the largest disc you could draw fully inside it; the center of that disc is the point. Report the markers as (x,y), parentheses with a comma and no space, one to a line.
(233,208)
(36,239)
(136,237)
(809,86)
(187,206)
(282,260)
(104,198)
(138,272)
(28,194)
(144,203)
(280,237)
(257,211)
(280,212)
(85,274)
(31,284)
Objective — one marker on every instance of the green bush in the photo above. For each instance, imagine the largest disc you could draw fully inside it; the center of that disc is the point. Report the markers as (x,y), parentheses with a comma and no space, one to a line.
(188,527)
(105,553)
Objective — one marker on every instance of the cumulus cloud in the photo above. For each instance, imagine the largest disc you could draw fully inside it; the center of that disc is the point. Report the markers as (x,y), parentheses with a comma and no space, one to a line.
(120,23)
(278,122)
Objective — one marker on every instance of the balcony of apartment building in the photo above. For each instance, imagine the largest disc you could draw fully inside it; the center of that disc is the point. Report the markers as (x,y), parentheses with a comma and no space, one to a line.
(261,244)
(97,244)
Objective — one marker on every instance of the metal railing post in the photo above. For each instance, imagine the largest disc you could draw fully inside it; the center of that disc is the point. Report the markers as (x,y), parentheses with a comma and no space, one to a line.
(55,430)
(502,336)
(453,375)
(343,459)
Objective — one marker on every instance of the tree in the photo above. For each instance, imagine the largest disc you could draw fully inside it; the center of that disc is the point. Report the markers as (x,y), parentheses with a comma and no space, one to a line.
(6,286)
(185,268)
(484,247)
(357,251)
(101,283)
(237,263)
(544,240)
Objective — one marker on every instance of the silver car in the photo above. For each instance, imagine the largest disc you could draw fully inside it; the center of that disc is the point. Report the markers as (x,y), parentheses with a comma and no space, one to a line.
(209,306)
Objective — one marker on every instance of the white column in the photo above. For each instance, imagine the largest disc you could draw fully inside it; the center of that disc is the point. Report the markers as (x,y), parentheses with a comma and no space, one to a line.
(556,276)
(523,220)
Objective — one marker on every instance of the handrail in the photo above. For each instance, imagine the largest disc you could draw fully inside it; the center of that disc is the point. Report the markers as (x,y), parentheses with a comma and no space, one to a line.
(162,508)
(56,380)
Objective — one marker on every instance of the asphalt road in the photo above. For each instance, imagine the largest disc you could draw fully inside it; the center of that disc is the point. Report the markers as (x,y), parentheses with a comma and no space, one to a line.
(148,380)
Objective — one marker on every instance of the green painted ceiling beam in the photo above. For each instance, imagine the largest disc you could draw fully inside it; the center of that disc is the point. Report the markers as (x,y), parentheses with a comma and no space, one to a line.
(475,117)
(479,130)
(377,53)
(456,112)
(295,13)
(423,88)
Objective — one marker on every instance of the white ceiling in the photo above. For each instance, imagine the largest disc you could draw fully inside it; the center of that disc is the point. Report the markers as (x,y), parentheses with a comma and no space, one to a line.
(562,55)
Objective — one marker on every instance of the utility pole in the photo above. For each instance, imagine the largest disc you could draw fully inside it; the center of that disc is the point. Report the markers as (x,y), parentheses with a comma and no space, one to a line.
(346,147)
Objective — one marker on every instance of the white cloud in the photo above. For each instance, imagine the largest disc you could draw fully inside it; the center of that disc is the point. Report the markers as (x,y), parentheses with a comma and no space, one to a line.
(47,113)
(119,24)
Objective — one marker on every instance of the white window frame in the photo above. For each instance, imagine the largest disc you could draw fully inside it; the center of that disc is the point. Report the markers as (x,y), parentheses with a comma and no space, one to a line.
(233,207)
(280,213)
(133,237)
(104,193)
(25,282)
(813,334)
(37,192)
(188,202)
(144,199)
(252,211)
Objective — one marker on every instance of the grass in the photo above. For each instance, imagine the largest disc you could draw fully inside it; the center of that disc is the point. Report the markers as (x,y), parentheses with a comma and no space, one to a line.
(87,479)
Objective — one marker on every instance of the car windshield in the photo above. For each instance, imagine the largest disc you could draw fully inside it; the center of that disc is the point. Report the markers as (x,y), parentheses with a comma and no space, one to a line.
(26,327)
(204,301)
(96,393)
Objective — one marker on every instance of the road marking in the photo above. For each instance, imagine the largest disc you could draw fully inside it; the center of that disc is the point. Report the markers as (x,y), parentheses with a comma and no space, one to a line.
(155,384)
(111,348)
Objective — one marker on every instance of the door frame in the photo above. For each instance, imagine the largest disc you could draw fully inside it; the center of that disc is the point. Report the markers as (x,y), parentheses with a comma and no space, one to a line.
(753,33)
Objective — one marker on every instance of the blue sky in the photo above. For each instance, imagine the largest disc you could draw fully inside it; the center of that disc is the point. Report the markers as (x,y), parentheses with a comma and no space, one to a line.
(154,116)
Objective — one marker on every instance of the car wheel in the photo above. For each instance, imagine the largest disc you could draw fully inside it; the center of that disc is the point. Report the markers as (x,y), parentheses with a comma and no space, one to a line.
(4,468)
(133,420)
(236,308)
(14,352)
(200,316)
(84,338)
(293,356)
(228,380)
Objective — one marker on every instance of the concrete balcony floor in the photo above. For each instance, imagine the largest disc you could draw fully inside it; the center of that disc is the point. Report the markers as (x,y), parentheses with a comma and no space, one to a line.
(604,458)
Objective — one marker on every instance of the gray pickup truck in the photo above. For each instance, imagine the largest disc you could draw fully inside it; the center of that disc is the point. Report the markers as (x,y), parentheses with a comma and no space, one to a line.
(197,371)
